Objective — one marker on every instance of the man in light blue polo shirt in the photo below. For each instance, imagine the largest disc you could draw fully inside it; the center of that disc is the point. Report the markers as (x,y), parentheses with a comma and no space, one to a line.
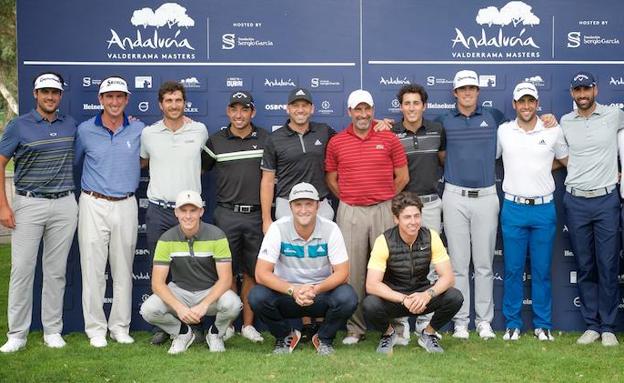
(107,150)
(593,206)
(42,145)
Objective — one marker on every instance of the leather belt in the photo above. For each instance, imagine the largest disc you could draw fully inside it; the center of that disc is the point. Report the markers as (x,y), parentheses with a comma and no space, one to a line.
(428,198)
(43,195)
(163,204)
(529,201)
(590,193)
(245,209)
(106,197)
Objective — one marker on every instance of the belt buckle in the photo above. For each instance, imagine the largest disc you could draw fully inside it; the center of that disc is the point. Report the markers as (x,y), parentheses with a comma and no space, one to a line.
(529,201)
(244,208)
(591,193)
(473,193)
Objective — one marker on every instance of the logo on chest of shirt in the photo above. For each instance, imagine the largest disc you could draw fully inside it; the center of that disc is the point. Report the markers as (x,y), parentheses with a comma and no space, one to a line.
(53,134)
(318,142)
(189,141)
(484,124)
(379,147)
(542,142)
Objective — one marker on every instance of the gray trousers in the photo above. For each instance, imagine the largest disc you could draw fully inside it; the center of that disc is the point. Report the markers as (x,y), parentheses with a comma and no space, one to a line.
(470,225)
(360,226)
(157,313)
(54,220)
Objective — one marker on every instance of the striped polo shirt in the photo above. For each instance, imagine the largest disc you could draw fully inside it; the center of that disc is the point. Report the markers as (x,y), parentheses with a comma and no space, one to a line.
(471,146)
(192,261)
(236,162)
(365,166)
(43,151)
(299,261)
(110,160)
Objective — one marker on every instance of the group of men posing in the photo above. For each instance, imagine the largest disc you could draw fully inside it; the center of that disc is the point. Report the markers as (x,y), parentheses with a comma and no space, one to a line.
(385,242)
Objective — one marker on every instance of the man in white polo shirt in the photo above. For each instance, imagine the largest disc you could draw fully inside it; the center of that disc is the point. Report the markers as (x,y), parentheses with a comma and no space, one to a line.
(528,217)
(171,148)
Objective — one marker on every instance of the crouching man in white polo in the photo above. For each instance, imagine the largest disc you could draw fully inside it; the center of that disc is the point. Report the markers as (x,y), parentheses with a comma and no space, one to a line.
(199,258)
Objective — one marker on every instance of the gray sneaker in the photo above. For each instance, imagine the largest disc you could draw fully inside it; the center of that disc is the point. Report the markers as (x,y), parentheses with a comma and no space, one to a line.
(589,336)
(430,343)
(609,339)
(287,344)
(386,343)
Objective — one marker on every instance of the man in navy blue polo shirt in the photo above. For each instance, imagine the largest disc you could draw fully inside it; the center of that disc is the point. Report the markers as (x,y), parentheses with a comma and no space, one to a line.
(42,145)
(107,149)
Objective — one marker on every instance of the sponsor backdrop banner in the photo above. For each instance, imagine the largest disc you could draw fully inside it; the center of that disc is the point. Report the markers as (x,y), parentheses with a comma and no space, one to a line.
(332,48)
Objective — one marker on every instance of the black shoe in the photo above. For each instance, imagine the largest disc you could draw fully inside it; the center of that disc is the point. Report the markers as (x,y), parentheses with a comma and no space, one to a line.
(308,331)
(159,337)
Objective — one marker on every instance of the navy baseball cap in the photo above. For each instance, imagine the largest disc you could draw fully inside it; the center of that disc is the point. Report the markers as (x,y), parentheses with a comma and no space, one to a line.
(582,79)
(242,97)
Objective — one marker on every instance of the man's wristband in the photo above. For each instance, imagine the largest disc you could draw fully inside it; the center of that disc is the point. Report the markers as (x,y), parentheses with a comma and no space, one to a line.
(403,300)
(431,292)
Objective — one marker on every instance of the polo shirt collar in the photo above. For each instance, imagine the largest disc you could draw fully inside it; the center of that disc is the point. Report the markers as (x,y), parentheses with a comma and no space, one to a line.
(182,236)
(252,134)
(457,113)
(351,130)
(98,120)
(403,129)
(600,109)
(316,233)
(38,117)
(539,126)
(311,128)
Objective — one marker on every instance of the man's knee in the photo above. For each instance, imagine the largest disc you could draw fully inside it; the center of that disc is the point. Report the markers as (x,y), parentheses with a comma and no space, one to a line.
(454,298)
(230,304)
(149,309)
(345,298)
(372,306)
(257,296)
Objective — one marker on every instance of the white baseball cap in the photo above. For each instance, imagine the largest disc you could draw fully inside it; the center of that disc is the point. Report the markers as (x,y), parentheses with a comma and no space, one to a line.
(465,78)
(114,84)
(48,80)
(189,197)
(523,89)
(303,190)
(359,96)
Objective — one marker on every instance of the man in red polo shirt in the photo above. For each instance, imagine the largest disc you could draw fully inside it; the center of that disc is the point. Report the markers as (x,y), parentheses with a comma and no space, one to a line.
(364,169)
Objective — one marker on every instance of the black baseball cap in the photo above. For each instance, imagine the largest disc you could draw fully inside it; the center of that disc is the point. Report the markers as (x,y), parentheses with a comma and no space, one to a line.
(242,97)
(583,79)
(300,94)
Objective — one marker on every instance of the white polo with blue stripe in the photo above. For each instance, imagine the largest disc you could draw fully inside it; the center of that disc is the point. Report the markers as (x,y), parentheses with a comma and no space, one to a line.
(299,261)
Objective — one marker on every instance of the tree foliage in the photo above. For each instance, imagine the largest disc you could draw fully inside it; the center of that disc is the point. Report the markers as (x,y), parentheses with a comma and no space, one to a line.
(8,55)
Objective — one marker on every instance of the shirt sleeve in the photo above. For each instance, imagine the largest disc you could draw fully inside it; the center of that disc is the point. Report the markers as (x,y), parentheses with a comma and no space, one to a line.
(379,254)
(337,249)
(208,155)
(442,139)
(438,251)
(10,140)
(499,116)
(221,250)
(144,152)
(268,162)
(499,146)
(162,254)
(399,158)
(620,114)
(331,162)
(79,149)
(561,146)
(271,244)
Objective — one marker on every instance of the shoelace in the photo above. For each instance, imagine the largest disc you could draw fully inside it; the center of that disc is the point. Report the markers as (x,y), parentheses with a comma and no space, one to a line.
(386,340)
(433,339)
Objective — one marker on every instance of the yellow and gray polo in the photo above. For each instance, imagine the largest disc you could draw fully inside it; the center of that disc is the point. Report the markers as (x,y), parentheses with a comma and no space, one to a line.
(192,261)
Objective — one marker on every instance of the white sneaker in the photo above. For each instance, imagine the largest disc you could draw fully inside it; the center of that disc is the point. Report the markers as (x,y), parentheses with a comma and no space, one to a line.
(54,341)
(251,333)
(181,342)
(350,340)
(215,342)
(229,332)
(609,339)
(512,334)
(589,336)
(485,330)
(121,337)
(13,344)
(98,341)
(461,332)
(543,334)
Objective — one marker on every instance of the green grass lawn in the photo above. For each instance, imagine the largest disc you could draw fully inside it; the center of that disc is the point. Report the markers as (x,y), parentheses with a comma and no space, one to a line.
(473,361)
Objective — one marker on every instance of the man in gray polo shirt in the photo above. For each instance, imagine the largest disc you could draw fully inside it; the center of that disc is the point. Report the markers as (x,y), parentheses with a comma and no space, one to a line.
(171,148)
(593,206)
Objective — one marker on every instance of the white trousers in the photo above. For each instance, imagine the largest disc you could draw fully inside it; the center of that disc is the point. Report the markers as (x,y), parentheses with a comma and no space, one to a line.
(107,231)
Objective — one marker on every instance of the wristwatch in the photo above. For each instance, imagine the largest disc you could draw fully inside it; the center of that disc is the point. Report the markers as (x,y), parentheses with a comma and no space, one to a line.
(431,292)
(290,291)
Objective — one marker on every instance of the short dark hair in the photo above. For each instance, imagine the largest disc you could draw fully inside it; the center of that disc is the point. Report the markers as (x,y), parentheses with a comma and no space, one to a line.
(170,87)
(413,88)
(405,199)
(48,72)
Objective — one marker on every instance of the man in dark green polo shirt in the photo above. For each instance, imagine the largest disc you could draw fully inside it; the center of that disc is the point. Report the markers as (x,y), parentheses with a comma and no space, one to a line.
(198,256)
